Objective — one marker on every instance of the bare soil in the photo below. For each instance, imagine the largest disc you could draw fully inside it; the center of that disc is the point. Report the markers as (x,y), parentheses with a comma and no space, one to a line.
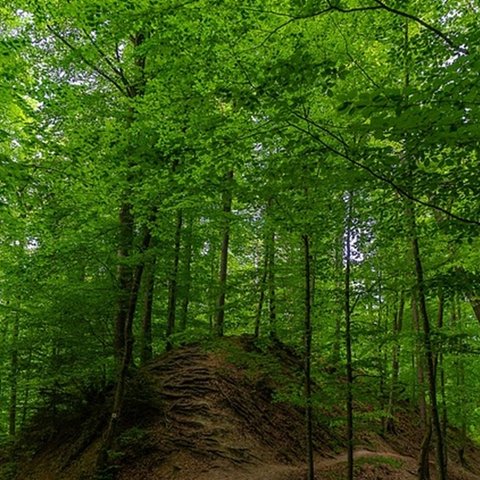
(218,419)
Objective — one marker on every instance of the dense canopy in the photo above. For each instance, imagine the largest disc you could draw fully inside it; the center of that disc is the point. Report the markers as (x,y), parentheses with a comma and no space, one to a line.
(303,171)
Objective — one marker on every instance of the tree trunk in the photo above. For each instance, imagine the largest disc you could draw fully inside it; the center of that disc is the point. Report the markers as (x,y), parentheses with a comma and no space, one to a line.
(124,277)
(307,360)
(427,344)
(128,278)
(146,349)
(475,302)
(211,290)
(187,277)
(173,280)
(339,293)
(126,360)
(136,282)
(26,395)
(382,351)
(262,285)
(272,305)
(348,340)
(423,469)
(441,373)
(227,210)
(12,410)
(420,290)
(397,329)
(460,384)
(420,365)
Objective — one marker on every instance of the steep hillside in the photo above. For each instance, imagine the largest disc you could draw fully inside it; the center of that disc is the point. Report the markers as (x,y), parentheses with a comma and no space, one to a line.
(210,414)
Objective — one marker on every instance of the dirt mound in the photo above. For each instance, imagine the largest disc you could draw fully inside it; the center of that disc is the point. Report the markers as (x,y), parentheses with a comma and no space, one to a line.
(219,416)
(215,414)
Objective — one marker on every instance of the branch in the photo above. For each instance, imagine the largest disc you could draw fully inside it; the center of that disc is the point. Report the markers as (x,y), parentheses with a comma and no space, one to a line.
(380,6)
(335,8)
(402,191)
(293,18)
(117,70)
(338,138)
(428,26)
(94,67)
(352,59)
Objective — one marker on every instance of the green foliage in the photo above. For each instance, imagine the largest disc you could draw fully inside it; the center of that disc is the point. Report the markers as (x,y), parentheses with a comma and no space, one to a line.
(380,460)
(133,438)
(149,104)
(8,470)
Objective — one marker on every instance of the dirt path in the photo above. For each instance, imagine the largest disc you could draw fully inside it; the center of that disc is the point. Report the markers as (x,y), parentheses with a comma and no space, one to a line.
(215,420)
(343,457)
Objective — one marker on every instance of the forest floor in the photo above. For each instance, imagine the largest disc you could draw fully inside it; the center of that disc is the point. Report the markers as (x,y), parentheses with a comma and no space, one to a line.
(212,414)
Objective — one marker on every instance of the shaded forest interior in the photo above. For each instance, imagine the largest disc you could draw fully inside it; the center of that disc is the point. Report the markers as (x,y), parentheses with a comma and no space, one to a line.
(230,408)
(276,203)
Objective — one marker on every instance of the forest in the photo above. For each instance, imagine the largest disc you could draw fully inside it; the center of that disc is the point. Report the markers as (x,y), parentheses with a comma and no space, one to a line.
(288,187)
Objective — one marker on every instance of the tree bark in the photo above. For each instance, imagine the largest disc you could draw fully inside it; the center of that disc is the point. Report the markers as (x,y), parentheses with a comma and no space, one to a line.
(173,281)
(124,277)
(420,364)
(423,469)
(272,303)
(26,395)
(475,303)
(146,348)
(127,356)
(227,210)
(12,410)
(187,277)
(211,290)
(441,373)
(261,298)
(421,295)
(397,329)
(427,345)
(307,360)
(339,293)
(460,384)
(348,340)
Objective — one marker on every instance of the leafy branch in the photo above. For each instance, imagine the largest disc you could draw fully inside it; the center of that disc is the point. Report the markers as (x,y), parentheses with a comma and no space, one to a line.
(87,62)
(379,176)
(380,5)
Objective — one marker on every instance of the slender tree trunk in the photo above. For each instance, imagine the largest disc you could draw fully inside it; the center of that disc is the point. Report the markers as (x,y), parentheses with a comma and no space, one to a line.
(441,373)
(128,278)
(420,290)
(12,411)
(187,275)
(423,469)
(339,298)
(136,282)
(173,281)
(272,304)
(124,277)
(475,303)
(348,340)
(427,345)
(460,384)
(262,285)
(227,210)
(397,329)
(420,365)
(212,292)
(126,360)
(307,359)
(382,351)
(146,348)
(26,395)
